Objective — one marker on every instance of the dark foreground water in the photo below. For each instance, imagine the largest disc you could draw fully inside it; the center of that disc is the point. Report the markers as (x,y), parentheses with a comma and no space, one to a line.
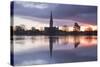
(30,50)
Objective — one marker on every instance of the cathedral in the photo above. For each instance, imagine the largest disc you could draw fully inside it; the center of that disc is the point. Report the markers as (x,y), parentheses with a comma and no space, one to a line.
(51,29)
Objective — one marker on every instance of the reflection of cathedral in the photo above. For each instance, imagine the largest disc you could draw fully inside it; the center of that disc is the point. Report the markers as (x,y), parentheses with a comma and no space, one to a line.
(51,29)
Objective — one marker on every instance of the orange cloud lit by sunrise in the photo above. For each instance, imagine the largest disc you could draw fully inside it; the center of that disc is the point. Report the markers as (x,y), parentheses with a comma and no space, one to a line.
(70,28)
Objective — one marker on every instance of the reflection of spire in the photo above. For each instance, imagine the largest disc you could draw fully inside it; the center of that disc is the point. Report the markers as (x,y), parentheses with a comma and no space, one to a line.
(52,40)
(50,45)
(51,20)
(50,36)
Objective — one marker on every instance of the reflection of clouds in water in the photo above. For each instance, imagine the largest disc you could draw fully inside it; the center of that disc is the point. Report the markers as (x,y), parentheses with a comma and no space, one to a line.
(33,39)
(63,40)
(29,42)
(19,37)
(30,62)
(88,40)
(20,42)
(42,57)
(53,49)
(59,42)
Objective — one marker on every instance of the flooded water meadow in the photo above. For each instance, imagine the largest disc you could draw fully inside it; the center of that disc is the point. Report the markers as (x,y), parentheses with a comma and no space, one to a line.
(30,50)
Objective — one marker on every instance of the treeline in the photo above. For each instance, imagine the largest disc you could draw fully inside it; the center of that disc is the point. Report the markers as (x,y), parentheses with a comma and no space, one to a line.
(20,30)
(58,32)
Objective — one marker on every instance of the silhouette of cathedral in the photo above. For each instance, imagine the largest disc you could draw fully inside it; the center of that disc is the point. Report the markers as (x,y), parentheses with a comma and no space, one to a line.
(51,30)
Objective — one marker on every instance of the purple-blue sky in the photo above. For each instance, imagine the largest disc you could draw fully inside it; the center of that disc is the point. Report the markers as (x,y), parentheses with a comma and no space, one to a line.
(62,13)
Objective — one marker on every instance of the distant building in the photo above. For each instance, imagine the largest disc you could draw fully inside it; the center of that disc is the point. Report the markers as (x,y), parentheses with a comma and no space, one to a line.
(51,29)
(33,29)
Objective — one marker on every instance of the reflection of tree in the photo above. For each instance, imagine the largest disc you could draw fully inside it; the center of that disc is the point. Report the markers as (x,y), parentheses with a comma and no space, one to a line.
(64,40)
(20,39)
(22,42)
(76,41)
(33,39)
(88,39)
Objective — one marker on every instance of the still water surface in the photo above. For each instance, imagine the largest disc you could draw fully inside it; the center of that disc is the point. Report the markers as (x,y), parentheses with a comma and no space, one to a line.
(29,50)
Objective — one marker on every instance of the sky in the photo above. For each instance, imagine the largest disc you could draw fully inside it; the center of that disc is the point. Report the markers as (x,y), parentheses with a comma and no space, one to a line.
(38,14)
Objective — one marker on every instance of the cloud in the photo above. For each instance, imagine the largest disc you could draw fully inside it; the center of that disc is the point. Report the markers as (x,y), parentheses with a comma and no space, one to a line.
(32,5)
(80,13)
(43,22)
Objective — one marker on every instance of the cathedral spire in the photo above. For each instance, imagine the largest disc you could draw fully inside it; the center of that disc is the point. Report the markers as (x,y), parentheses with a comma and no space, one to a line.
(51,20)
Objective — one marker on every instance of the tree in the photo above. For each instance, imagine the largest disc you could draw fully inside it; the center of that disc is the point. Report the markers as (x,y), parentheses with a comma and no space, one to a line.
(65,28)
(76,27)
(20,28)
(88,29)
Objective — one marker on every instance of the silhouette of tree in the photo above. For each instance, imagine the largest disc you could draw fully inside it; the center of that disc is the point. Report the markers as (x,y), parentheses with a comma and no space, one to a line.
(76,27)
(95,30)
(89,29)
(20,28)
(65,28)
